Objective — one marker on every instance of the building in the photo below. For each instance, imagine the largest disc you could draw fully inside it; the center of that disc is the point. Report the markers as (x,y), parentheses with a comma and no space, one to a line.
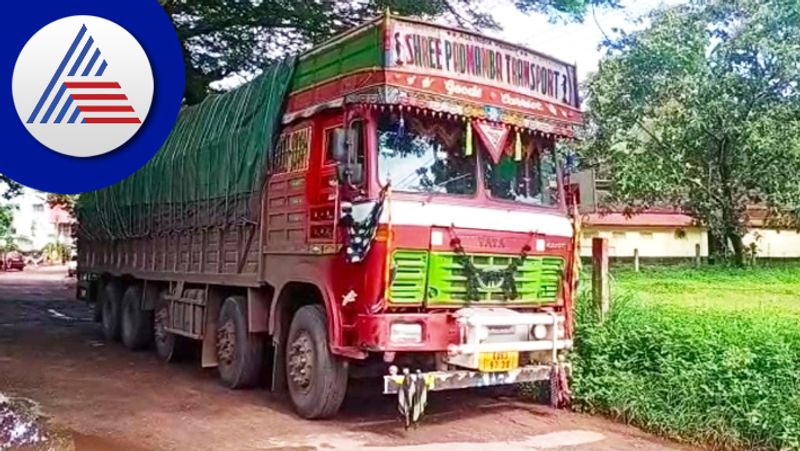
(650,235)
(36,224)
(665,233)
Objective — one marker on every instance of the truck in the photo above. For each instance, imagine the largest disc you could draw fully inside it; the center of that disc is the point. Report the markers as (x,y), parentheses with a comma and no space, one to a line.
(389,204)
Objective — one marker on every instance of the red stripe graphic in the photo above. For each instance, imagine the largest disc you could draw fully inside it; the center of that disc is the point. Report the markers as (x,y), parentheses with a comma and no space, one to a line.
(112,120)
(105,108)
(99,97)
(92,85)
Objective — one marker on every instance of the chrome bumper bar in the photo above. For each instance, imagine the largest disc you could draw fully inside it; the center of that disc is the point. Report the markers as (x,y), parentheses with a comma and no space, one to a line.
(459,379)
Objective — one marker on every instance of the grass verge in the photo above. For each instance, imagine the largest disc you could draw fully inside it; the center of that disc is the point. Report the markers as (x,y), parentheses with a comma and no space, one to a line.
(708,356)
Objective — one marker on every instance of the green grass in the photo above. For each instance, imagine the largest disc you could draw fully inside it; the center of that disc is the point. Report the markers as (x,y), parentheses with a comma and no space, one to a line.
(709,356)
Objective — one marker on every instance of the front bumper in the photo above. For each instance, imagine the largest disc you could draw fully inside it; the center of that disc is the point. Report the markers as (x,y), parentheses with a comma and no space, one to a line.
(459,379)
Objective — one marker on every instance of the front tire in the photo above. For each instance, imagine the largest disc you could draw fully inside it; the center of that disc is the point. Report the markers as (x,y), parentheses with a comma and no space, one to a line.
(111,300)
(240,354)
(137,324)
(317,379)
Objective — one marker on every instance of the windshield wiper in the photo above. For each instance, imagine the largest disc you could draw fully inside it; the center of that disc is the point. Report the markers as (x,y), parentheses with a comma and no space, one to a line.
(430,188)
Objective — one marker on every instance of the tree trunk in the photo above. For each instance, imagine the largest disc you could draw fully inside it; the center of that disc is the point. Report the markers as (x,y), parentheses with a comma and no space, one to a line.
(737,241)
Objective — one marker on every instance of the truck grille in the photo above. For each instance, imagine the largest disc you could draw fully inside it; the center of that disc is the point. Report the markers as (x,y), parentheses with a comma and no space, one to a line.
(537,280)
(410,271)
(439,279)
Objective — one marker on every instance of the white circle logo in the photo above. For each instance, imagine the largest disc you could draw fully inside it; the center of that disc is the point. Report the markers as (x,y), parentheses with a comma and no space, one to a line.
(82,86)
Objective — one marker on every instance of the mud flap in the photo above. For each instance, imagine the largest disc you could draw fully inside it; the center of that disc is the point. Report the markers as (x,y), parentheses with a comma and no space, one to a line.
(209,350)
(412,398)
(560,394)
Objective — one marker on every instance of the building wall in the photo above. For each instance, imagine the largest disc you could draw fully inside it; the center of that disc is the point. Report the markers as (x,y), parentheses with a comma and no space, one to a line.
(32,225)
(35,224)
(773,243)
(655,242)
(664,242)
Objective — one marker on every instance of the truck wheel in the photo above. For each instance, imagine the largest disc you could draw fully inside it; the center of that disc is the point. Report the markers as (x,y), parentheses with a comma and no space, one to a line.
(240,354)
(97,305)
(317,380)
(137,324)
(110,300)
(169,347)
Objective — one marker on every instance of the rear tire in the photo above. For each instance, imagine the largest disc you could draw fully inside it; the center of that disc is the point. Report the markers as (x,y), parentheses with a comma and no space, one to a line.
(240,354)
(169,347)
(111,300)
(137,324)
(317,379)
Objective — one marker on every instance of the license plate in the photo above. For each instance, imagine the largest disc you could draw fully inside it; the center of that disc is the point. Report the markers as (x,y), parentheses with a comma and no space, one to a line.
(491,362)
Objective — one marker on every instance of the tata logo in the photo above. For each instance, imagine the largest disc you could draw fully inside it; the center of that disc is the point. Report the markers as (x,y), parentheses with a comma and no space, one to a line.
(491,242)
(82,86)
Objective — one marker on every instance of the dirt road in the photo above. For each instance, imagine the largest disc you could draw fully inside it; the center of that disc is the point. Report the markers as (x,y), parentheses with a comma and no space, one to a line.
(99,396)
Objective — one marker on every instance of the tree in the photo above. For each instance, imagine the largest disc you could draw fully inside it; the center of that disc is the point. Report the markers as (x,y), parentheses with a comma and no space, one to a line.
(222,38)
(64,201)
(701,110)
(6,219)
(9,188)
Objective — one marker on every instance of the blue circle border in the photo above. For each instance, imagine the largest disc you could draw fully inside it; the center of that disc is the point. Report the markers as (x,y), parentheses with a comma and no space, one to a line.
(28,162)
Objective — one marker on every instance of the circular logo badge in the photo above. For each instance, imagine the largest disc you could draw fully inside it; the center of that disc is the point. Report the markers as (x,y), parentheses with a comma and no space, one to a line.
(89,91)
(82,86)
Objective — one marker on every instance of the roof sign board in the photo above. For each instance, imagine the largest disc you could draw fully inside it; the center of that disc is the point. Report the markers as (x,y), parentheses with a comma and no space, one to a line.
(458,55)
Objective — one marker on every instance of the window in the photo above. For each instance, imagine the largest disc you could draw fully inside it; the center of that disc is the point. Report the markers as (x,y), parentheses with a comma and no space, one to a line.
(292,152)
(424,155)
(532,181)
(38,208)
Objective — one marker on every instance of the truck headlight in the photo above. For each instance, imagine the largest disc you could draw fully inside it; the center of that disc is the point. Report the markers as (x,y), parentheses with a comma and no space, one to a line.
(539,332)
(406,333)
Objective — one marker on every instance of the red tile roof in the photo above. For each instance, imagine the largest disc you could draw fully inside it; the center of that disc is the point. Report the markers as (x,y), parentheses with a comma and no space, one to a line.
(640,220)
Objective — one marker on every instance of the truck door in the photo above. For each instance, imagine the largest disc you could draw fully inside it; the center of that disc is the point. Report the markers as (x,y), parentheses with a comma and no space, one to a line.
(322,213)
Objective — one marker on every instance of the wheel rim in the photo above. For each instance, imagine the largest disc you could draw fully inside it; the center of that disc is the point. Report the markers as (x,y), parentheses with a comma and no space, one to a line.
(226,343)
(159,330)
(301,362)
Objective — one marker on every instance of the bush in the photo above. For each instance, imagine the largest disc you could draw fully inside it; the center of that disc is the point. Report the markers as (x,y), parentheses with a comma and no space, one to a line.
(729,379)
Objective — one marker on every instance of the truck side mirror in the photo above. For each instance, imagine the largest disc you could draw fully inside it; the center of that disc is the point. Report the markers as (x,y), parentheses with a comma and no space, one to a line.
(345,150)
(340,146)
(350,173)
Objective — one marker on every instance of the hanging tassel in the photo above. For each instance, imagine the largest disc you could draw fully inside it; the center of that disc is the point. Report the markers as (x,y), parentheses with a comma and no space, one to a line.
(468,150)
(401,126)
(518,148)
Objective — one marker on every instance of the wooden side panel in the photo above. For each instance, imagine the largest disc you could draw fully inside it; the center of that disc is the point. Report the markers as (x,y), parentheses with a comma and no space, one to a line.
(286,213)
(232,251)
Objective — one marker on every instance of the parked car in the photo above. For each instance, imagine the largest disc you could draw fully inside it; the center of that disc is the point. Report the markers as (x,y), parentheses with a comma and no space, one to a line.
(14,260)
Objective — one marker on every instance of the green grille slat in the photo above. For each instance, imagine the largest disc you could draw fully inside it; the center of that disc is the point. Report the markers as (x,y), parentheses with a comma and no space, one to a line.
(411,269)
(438,279)
(537,280)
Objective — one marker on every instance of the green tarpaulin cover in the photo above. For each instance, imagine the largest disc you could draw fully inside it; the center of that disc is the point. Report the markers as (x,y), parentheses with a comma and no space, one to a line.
(210,171)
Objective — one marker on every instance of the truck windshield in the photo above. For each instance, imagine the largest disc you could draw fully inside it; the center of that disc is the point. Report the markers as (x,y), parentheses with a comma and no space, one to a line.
(424,155)
(531,181)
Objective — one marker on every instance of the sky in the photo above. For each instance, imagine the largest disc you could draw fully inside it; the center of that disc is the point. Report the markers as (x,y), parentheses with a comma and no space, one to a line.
(571,42)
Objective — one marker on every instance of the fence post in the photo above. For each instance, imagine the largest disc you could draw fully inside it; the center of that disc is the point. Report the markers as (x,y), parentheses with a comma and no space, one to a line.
(636,259)
(600,286)
(697,258)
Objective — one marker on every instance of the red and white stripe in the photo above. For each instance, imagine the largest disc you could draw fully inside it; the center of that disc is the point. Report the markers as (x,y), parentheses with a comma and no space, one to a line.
(102,102)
